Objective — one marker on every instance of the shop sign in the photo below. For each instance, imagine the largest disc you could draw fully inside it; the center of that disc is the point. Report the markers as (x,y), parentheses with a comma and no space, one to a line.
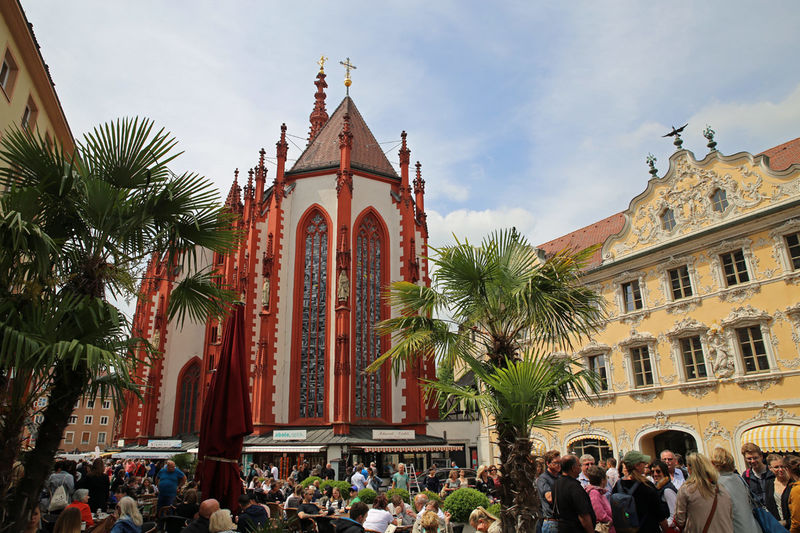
(289,434)
(393,434)
(164,443)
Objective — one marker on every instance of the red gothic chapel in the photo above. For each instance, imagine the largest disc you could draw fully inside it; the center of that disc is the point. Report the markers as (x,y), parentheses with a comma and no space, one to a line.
(321,243)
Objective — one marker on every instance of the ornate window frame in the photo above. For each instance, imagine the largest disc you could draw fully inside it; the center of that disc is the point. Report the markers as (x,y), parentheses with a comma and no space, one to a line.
(744,317)
(626,277)
(782,250)
(634,341)
(718,271)
(593,349)
(711,191)
(672,263)
(686,328)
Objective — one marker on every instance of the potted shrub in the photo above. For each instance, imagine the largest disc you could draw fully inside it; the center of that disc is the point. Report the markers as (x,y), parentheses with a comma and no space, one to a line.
(402,492)
(367,496)
(343,486)
(460,504)
(432,495)
(309,481)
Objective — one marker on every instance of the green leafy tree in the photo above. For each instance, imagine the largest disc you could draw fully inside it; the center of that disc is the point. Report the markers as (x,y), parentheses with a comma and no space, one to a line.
(500,310)
(76,230)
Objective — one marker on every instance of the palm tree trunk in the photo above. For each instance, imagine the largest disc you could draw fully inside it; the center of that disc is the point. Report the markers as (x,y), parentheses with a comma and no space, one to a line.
(67,387)
(519,500)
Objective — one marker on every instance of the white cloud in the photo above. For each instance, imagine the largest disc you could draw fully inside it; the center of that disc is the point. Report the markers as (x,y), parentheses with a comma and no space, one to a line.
(472,225)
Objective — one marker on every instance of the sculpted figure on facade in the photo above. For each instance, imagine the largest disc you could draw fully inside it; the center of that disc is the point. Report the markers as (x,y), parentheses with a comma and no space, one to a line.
(344,287)
(721,358)
(265,293)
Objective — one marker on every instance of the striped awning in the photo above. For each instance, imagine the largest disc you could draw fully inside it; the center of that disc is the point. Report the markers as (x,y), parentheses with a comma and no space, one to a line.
(538,447)
(412,448)
(774,438)
(595,436)
(283,449)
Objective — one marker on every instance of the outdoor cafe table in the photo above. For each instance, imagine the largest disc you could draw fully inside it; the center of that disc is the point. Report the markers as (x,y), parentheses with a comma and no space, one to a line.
(325,521)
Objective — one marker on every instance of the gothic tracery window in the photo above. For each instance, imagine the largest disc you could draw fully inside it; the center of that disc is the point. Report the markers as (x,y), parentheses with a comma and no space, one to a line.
(369,265)
(189,398)
(314,316)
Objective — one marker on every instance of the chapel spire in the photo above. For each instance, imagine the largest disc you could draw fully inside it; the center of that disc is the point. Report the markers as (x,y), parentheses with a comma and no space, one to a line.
(319,116)
(234,200)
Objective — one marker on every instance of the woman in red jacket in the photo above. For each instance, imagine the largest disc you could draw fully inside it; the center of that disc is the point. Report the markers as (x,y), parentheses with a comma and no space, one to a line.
(80,500)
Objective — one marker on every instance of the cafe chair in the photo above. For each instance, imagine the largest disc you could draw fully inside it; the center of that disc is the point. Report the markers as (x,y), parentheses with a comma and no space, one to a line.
(149,527)
(173,524)
(275,510)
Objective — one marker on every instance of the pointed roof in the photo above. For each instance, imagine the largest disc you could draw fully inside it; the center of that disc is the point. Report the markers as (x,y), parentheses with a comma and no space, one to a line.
(323,152)
(585,237)
(783,155)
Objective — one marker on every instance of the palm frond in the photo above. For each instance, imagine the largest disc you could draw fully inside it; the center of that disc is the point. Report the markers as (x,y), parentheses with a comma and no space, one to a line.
(199,296)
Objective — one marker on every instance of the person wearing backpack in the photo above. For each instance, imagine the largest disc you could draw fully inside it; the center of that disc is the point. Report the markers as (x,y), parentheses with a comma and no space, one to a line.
(635,503)
(572,506)
(703,506)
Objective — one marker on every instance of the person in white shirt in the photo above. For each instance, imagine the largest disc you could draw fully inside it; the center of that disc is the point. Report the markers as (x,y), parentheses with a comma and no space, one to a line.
(358,478)
(274,471)
(586,461)
(674,472)
(612,474)
(378,518)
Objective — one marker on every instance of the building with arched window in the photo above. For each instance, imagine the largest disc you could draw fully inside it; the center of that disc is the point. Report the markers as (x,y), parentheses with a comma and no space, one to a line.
(320,245)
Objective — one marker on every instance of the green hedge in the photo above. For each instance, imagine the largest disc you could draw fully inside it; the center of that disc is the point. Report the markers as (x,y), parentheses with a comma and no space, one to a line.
(309,480)
(494,509)
(402,492)
(432,495)
(343,486)
(367,496)
(460,503)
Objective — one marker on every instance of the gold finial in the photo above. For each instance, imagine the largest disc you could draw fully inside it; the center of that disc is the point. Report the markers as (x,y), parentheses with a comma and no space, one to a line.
(321,63)
(347,66)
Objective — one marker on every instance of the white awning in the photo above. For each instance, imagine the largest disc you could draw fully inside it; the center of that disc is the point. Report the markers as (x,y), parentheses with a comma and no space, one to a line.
(283,449)
(145,454)
(412,448)
(774,438)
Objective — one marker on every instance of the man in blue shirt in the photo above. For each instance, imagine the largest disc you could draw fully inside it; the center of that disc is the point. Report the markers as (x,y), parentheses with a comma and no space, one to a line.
(168,480)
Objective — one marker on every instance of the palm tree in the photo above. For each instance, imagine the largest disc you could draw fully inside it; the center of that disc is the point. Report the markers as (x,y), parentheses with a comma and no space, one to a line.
(501,311)
(75,230)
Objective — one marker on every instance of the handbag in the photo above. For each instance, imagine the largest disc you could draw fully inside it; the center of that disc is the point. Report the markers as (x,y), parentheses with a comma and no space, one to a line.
(768,523)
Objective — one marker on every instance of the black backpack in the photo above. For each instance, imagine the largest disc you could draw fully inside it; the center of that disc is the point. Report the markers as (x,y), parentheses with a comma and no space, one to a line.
(623,509)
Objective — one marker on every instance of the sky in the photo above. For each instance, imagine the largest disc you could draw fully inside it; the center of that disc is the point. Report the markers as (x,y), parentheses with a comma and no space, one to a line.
(537,115)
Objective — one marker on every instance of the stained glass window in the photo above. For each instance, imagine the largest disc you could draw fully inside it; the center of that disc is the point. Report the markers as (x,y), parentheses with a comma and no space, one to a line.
(368,269)
(189,391)
(313,321)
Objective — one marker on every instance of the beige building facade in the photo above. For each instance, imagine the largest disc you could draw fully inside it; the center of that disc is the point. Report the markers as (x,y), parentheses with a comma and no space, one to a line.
(27,96)
(701,279)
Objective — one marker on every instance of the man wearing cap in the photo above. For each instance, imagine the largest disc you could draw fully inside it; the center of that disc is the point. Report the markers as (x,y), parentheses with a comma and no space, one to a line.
(649,510)
(571,504)
(354,495)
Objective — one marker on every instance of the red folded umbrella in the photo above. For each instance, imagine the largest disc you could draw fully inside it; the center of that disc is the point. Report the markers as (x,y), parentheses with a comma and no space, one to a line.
(226,418)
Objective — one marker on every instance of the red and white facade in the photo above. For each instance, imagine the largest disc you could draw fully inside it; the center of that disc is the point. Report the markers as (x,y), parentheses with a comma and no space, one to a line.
(321,242)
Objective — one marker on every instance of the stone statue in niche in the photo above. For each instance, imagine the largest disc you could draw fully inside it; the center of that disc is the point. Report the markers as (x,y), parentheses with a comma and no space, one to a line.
(721,357)
(265,293)
(344,287)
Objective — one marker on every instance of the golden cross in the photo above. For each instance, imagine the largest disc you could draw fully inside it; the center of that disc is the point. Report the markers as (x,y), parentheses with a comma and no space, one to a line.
(321,63)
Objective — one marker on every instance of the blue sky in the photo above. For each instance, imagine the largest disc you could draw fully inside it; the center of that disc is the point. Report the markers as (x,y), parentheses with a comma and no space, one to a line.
(532,114)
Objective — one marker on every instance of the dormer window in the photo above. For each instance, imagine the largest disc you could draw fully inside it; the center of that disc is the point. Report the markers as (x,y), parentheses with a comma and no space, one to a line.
(668,220)
(719,200)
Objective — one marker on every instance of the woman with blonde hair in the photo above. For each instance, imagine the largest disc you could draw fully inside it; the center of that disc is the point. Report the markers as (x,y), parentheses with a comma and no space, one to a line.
(69,521)
(483,520)
(221,522)
(743,520)
(703,506)
(129,519)
(482,481)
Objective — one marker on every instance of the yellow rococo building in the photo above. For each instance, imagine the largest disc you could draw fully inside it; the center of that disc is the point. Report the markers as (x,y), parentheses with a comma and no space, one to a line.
(701,278)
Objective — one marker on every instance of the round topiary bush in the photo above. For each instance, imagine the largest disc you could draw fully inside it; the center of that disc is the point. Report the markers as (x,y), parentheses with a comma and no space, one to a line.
(343,486)
(460,503)
(367,496)
(432,495)
(402,492)
(309,480)
(494,509)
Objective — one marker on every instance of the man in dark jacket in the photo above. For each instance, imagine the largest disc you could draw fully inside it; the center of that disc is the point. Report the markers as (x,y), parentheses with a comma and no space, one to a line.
(571,504)
(200,524)
(358,513)
(252,516)
(328,472)
(759,478)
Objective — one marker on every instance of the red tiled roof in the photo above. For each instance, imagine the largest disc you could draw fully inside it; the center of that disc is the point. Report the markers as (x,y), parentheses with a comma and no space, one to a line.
(783,155)
(323,152)
(585,237)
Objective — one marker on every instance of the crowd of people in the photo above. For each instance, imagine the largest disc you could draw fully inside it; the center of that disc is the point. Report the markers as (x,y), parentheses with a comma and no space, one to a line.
(667,494)
(701,495)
